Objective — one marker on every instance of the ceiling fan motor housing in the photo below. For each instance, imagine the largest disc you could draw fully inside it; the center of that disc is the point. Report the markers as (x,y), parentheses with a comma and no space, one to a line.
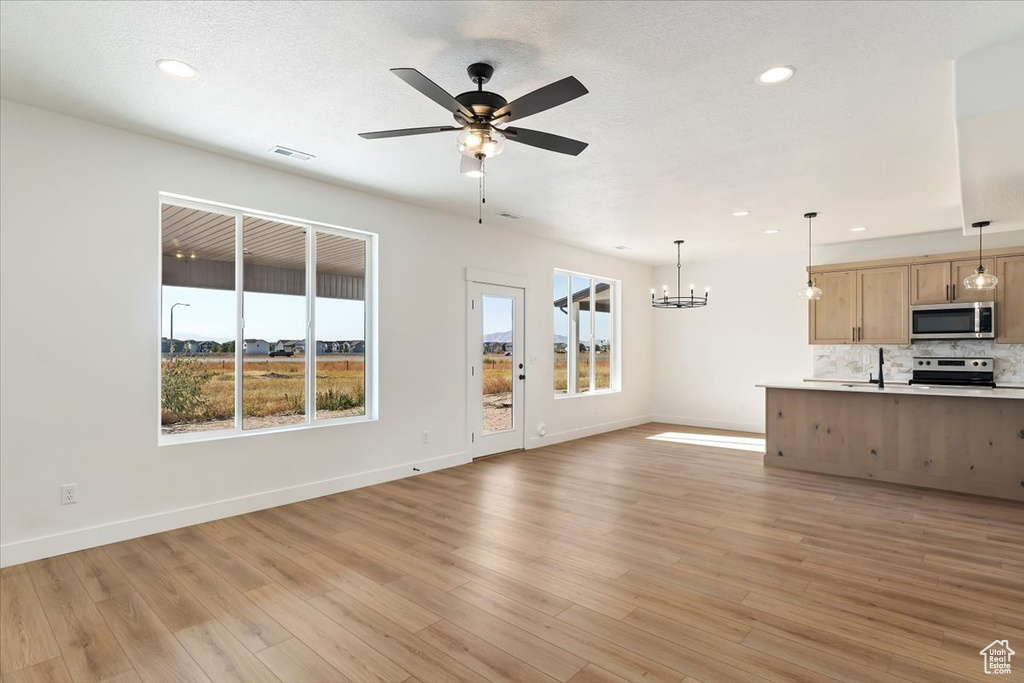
(480,102)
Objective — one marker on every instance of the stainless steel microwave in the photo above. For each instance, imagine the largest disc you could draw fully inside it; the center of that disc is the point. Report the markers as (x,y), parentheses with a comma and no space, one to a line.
(953,321)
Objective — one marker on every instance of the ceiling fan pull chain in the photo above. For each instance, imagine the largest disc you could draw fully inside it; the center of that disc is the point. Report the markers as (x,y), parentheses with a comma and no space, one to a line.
(480,204)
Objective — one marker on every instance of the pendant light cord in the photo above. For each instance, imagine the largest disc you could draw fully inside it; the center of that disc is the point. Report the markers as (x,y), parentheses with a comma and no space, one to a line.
(679,271)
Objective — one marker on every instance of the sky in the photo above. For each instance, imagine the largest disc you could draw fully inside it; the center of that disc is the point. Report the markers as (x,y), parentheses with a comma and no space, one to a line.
(211,316)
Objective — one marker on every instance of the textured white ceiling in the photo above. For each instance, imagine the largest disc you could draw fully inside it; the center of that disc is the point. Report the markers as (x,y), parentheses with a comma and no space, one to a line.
(680,135)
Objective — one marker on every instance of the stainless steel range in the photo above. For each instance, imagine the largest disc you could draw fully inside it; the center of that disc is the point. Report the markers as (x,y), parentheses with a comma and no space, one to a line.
(955,372)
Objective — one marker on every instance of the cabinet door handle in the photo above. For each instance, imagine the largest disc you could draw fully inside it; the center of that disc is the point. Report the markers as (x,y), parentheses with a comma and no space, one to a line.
(853,333)
(954,292)
(859,337)
(947,292)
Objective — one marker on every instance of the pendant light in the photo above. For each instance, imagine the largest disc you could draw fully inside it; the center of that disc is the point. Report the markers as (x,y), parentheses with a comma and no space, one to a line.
(980,279)
(811,292)
(679,301)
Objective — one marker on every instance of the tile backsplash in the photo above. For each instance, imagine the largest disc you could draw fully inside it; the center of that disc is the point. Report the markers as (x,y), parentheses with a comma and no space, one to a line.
(855,361)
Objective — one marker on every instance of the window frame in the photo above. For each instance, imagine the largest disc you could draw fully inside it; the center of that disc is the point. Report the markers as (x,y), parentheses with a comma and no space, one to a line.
(370,320)
(572,342)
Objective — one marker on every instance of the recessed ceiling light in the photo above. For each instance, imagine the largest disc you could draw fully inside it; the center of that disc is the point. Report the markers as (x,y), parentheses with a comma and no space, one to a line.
(858,229)
(776,74)
(772,231)
(740,213)
(172,67)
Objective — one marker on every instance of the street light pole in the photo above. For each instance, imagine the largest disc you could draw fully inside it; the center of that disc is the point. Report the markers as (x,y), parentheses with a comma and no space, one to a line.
(171,345)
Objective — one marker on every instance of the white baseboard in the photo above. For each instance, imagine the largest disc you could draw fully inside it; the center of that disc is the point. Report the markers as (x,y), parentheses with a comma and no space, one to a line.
(90,537)
(709,423)
(572,434)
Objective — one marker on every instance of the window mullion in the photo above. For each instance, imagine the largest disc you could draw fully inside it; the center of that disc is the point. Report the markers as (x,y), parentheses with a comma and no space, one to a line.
(593,335)
(239,318)
(311,349)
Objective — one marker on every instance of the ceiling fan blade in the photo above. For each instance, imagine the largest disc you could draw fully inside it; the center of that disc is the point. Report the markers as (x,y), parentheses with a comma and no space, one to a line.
(542,99)
(433,91)
(402,132)
(553,143)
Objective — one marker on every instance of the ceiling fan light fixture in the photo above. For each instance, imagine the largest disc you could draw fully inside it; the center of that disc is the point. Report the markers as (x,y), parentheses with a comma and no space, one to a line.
(472,167)
(486,142)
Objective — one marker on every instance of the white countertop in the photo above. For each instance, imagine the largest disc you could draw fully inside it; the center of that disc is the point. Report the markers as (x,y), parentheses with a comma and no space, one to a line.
(897,388)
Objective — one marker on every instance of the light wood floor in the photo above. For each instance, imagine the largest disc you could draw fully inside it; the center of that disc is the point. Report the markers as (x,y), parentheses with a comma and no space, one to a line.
(609,559)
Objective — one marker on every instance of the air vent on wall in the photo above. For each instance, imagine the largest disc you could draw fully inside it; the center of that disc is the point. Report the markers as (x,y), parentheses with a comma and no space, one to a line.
(291,153)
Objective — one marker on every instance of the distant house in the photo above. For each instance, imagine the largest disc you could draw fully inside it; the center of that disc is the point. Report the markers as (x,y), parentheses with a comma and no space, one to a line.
(256,347)
(292,345)
(200,346)
(357,347)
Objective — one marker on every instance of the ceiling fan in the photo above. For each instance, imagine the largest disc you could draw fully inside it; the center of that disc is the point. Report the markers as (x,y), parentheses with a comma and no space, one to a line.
(479,112)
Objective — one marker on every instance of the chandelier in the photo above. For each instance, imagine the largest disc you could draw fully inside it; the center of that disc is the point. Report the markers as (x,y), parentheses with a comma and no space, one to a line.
(679,301)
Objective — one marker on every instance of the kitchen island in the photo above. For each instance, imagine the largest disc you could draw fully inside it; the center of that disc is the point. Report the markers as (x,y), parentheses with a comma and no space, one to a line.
(969,440)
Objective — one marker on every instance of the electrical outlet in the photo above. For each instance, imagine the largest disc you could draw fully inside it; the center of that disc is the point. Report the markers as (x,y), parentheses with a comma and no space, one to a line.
(69,494)
(426,437)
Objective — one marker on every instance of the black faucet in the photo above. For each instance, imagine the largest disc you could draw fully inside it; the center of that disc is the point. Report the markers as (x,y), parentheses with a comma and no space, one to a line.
(881,374)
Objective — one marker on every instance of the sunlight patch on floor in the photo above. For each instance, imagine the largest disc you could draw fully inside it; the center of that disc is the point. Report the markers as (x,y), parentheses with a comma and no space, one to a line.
(738,443)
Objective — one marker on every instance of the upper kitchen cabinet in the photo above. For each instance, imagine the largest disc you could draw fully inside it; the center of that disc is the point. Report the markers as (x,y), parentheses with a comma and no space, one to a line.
(929,283)
(883,309)
(1010,300)
(833,317)
(962,269)
(943,282)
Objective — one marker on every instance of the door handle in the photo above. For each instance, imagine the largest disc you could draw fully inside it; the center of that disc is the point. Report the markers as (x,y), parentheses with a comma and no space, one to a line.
(859,335)
(947,292)
(853,334)
(954,292)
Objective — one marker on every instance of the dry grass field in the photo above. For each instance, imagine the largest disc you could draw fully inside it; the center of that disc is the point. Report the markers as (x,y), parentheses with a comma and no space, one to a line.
(270,387)
(602,371)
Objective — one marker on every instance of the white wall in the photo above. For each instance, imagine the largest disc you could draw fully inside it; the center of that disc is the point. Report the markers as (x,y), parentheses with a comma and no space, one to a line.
(754,328)
(79,240)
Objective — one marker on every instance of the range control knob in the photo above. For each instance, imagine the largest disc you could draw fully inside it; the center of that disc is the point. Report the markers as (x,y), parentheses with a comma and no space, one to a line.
(984,363)
(976,364)
(920,362)
(927,362)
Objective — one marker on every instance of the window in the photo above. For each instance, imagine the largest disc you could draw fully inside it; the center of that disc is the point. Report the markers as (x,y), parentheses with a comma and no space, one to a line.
(585,334)
(266,322)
